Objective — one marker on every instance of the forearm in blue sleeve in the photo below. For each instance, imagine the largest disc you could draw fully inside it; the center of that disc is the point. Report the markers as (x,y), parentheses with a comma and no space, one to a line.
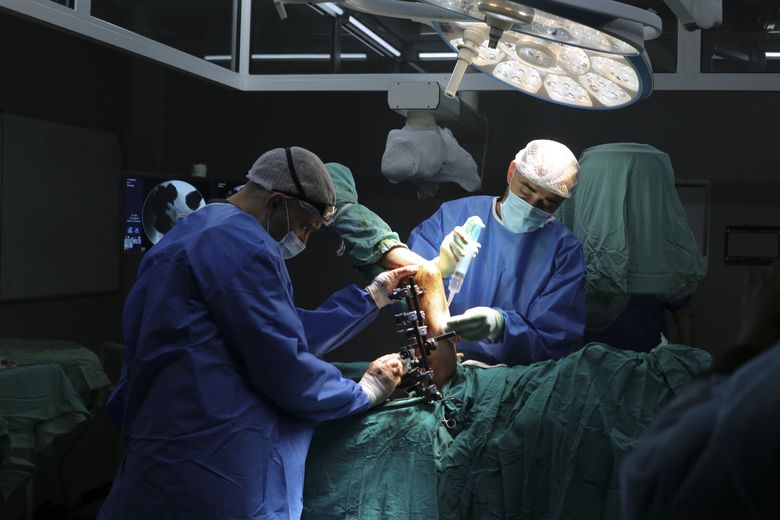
(344,315)
(255,312)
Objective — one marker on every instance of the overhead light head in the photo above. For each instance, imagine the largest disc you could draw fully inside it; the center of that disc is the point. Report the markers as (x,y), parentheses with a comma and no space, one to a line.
(501,15)
(551,71)
(587,54)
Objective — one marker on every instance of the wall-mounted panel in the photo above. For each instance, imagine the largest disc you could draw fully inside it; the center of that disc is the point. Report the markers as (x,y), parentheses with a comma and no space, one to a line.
(58,209)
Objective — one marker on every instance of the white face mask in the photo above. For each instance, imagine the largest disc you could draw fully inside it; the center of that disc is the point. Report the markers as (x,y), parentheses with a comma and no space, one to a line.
(518,216)
(290,244)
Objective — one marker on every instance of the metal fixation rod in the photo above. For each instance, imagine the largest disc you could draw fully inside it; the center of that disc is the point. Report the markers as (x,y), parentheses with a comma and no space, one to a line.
(417,332)
(411,323)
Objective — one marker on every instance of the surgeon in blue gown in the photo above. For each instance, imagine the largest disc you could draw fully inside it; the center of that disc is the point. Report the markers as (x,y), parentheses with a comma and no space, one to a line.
(221,385)
(523,299)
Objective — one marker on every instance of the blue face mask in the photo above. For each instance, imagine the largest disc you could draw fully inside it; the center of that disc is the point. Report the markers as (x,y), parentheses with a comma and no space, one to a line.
(518,216)
(290,244)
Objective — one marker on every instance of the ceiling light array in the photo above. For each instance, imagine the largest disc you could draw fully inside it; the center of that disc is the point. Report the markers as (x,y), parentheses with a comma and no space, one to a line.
(354,25)
(293,57)
(354,22)
(437,55)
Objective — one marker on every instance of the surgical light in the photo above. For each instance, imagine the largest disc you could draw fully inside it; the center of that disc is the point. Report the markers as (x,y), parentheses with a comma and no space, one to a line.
(557,72)
(587,54)
(579,53)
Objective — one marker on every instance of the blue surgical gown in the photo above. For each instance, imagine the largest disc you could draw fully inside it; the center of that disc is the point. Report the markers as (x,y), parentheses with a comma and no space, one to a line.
(713,452)
(221,387)
(537,279)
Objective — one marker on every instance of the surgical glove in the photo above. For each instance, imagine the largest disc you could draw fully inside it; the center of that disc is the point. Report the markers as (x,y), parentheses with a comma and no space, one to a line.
(386,282)
(452,249)
(477,323)
(381,378)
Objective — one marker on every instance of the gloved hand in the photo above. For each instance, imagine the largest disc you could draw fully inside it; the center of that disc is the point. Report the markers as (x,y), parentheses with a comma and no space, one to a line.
(477,323)
(386,282)
(451,251)
(382,376)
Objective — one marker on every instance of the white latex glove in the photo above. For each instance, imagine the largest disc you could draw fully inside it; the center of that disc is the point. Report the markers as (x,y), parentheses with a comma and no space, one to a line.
(381,378)
(451,251)
(477,323)
(386,282)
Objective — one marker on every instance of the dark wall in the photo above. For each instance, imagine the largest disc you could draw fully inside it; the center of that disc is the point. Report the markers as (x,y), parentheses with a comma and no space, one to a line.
(57,77)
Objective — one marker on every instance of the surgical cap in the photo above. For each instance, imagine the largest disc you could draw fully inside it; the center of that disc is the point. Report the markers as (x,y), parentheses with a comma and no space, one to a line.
(272,172)
(549,164)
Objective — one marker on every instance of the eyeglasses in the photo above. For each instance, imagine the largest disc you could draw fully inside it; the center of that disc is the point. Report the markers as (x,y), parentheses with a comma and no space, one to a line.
(325,212)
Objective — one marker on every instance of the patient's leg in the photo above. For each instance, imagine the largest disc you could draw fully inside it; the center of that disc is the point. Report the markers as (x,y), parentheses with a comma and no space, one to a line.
(433,302)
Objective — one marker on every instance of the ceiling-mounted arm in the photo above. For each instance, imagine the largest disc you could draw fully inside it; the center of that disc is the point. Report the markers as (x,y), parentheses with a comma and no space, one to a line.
(473,37)
(280,10)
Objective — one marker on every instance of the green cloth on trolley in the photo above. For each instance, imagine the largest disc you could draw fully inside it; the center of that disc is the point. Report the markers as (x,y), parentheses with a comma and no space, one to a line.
(38,403)
(80,364)
(633,228)
(542,441)
(366,236)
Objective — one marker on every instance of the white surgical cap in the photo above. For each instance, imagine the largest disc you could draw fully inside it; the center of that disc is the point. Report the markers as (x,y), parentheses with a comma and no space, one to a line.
(272,172)
(549,164)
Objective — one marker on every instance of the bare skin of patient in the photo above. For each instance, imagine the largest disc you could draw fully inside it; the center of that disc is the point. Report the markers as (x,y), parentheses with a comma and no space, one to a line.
(433,302)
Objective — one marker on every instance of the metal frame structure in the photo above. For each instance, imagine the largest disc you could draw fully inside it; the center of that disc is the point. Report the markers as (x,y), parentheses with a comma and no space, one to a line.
(79,21)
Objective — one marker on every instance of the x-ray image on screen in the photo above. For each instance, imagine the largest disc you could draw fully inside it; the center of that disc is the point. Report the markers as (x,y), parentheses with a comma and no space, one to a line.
(168,202)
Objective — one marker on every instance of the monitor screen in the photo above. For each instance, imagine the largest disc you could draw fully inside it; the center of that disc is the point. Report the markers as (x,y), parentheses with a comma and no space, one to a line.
(752,245)
(132,228)
(153,205)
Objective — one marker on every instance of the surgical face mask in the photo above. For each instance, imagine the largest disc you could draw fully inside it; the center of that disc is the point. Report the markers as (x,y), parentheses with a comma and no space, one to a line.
(290,244)
(518,216)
